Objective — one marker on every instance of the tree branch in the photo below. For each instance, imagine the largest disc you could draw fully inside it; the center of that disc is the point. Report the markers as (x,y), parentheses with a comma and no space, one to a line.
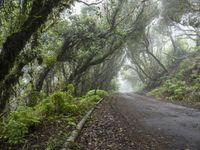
(80,1)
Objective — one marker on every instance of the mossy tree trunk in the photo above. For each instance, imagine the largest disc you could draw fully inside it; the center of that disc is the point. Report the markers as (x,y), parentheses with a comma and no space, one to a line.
(6,87)
(17,41)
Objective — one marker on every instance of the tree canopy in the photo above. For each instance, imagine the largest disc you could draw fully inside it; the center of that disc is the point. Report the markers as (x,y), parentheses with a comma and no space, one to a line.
(46,45)
(43,42)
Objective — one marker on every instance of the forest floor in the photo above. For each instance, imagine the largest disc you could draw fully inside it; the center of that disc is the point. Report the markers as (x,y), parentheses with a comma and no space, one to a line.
(134,122)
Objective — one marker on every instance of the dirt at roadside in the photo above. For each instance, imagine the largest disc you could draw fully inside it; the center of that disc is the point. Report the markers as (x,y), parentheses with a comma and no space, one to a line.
(111,131)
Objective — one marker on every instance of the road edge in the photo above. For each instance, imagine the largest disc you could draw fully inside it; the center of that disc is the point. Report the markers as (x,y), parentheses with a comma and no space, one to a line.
(75,133)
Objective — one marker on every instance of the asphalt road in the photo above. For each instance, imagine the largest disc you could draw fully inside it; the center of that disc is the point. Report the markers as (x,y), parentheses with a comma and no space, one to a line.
(180,123)
(152,123)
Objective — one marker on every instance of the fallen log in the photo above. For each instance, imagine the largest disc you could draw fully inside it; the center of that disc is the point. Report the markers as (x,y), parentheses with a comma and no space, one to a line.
(74,134)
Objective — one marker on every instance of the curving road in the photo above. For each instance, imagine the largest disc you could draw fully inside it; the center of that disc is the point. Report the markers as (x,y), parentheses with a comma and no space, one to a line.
(144,123)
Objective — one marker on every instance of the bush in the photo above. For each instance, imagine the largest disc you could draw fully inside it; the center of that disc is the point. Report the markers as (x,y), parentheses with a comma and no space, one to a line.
(35,97)
(158,92)
(56,105)
(93,98)
(176,89)
(70,88)
(100,93)
(59,103)
(50,60)
(18,124)
(58,100)
(172,89)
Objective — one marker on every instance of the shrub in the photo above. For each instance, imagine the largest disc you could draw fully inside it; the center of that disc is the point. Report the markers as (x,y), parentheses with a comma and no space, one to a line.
(57,104)
(70,88)
(50,60)
(100,93)
(18,124)
(173,89)
(158,92)
(54,104)
(176,88)
(93,98)
(71,109)
(83,104)
(58,100)
(34,98)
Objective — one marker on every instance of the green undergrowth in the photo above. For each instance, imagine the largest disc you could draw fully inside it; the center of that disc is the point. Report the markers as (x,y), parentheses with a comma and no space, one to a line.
(57,106)
(183,85)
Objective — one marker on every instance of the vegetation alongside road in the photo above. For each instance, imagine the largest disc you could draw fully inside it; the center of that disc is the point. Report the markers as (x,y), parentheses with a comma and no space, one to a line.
(60,107)
(182,84)
(88,45)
